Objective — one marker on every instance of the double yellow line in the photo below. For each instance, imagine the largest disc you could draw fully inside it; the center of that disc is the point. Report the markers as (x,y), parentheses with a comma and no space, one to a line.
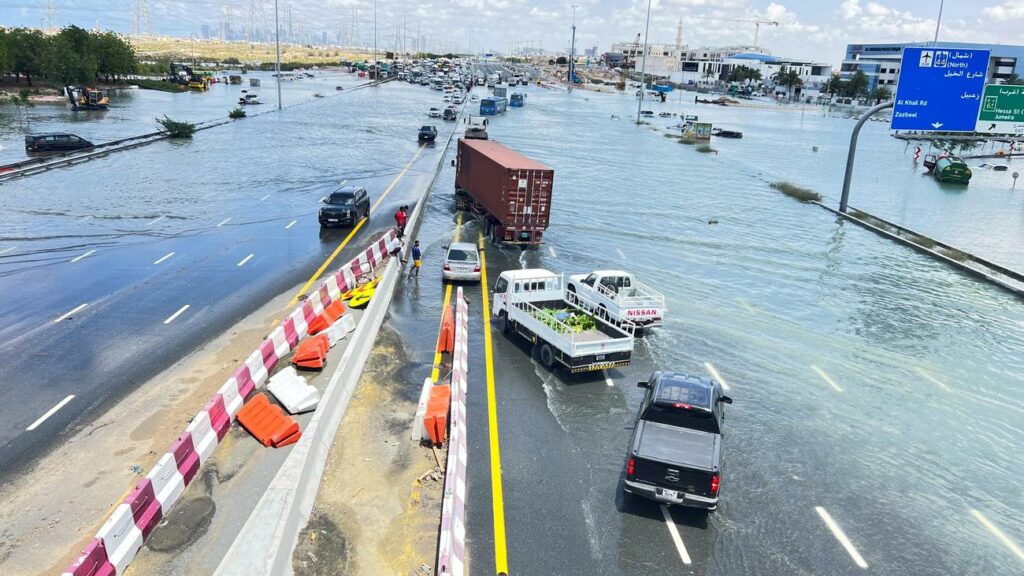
(355,229)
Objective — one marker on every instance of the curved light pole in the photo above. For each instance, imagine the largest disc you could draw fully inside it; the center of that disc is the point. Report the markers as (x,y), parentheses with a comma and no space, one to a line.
(643,63)
(844,200)
(277,63)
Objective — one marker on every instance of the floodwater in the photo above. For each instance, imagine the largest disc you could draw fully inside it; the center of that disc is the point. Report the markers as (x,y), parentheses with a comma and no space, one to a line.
(133,111)
(871,381)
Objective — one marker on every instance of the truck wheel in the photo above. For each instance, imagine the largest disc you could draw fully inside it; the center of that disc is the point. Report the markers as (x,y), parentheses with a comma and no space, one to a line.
(572,295)
(503,324)
(602,313)
(547,356)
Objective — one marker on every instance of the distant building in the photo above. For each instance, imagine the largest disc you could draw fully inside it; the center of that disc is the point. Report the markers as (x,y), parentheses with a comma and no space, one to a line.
(706,64)
(206,31)
(881,62)
(813,74)
(660,60)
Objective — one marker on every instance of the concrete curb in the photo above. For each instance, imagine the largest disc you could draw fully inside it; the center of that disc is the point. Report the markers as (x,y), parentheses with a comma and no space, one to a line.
(1005,278)
(267,540)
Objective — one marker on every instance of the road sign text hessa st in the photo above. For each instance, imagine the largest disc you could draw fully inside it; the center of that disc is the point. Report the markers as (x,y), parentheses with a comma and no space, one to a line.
(939,89)
(1002,110)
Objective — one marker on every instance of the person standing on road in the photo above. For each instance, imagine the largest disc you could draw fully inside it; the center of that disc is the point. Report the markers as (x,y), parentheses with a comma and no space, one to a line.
(400,218)
(417,259)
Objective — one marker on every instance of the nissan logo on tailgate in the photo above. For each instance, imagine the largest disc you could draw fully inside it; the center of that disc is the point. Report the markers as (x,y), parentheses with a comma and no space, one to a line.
(672,475)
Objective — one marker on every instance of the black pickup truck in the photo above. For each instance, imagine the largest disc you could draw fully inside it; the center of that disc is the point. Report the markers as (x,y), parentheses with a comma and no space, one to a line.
(675,455)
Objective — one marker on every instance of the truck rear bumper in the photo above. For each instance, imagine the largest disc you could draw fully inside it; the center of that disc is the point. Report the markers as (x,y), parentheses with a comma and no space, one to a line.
(681,499)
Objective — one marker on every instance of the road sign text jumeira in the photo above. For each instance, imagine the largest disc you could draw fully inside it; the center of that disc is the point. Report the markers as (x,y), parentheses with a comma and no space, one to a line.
(939,89)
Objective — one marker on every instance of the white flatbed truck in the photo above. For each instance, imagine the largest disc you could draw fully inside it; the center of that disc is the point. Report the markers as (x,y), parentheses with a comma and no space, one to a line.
(533,304)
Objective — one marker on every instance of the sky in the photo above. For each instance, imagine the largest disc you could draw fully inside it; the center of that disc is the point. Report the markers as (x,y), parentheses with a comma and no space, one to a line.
(808,29)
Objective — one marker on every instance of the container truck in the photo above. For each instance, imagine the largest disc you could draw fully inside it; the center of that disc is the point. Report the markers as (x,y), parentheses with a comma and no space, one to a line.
(532,303)
(509,192)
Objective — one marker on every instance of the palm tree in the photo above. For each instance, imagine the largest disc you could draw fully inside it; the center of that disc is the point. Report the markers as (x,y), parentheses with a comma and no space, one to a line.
(789,79)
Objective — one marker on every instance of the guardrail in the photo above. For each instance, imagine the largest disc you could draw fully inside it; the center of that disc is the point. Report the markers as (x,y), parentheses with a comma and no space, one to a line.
(451,543)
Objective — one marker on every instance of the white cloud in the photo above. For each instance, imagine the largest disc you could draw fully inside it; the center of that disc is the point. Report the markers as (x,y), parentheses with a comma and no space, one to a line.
(1008,10)
(850,9)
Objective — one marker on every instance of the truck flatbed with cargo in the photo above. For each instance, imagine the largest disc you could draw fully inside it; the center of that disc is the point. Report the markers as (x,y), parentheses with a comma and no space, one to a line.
(533,304)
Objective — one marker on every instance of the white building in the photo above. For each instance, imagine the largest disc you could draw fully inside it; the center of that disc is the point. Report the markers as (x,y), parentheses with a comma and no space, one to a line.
(813,74)
(705,64)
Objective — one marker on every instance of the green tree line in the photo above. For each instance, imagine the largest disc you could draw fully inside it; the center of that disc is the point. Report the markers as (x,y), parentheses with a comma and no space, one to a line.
(72,56)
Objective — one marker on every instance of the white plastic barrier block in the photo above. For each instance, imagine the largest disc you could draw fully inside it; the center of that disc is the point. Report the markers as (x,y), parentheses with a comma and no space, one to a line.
(204,437)
(314,301)
(341,328)
(168,483)
(121,537)
(350,278)
(293,392)
(419,431)
(332,287)
(281,347)
(256,368)
(232,399)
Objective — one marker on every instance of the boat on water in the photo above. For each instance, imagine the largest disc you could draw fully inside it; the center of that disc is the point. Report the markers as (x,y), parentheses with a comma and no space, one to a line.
(951,170)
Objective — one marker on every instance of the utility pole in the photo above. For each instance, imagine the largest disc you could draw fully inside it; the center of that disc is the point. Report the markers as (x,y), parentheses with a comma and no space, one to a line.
(572,50)
(643,63)
(376,71)
(277,62)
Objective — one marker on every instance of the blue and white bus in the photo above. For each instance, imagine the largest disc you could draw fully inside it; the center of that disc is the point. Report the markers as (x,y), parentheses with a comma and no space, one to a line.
(491,105)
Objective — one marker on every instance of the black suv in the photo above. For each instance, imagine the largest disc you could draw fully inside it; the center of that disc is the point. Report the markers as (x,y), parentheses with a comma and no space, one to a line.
(55,142)
(427,133)
(345,207)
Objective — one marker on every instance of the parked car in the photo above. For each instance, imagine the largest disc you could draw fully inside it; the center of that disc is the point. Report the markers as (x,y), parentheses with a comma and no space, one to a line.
(461,262)
(345,207)
(675,454)
(55,142)
(427,133)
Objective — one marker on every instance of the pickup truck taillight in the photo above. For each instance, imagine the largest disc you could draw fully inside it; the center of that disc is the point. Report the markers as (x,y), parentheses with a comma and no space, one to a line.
(715,481)
(631,468)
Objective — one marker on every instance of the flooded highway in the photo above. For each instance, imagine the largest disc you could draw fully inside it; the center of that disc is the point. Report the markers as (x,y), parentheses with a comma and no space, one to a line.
(112,270)
(878,393)
(874,387)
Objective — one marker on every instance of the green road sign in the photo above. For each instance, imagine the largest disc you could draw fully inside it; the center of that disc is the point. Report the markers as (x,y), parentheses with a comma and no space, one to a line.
(1002,110)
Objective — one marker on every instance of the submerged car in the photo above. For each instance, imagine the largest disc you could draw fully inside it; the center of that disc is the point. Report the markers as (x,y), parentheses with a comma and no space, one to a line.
(462,262)
(345,207)
(55,142)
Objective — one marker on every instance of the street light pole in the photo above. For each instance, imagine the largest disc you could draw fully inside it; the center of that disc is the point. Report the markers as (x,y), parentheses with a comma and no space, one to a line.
(643,63)
(938,21)
(277,63)
(572,49)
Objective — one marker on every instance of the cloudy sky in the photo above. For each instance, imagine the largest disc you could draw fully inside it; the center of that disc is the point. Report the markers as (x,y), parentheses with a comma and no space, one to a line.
(812,29)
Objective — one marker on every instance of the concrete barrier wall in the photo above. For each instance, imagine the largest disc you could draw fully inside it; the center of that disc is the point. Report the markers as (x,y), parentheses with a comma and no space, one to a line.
(122,535)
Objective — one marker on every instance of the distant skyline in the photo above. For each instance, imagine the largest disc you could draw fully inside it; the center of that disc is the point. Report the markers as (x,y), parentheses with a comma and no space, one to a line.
(808,29)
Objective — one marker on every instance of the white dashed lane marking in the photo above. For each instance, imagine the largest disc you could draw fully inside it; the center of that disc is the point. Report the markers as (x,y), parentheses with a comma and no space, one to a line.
(176,314)
(50,412)
(86,255)
(841,537)
(164,257)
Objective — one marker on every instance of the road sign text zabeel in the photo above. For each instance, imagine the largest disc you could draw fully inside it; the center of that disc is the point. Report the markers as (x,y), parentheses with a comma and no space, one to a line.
(939,89)
(1002,110)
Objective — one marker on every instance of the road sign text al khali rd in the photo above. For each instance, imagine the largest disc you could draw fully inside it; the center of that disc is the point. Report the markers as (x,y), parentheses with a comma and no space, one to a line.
(940,89)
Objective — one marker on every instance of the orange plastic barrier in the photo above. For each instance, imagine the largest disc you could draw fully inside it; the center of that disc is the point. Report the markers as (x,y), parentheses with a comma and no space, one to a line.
(312,352)
(331,313)
(436,418)
(446,339)
(268,423)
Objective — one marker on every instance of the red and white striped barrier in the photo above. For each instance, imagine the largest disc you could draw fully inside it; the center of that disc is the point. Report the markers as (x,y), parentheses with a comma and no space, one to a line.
(451,546)
(121,536)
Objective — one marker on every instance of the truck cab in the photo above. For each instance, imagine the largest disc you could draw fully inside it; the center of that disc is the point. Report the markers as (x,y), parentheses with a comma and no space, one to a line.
(675,454)
(617,296)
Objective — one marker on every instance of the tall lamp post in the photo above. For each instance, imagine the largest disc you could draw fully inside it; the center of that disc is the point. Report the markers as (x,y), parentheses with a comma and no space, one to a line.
(643,63)
(277,62)
(572,49)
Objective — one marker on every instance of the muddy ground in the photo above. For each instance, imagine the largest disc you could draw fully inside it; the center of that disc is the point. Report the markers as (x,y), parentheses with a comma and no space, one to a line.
(379,505)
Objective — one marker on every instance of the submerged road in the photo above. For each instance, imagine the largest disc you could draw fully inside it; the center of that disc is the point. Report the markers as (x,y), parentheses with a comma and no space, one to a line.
(877,391)
(130,262)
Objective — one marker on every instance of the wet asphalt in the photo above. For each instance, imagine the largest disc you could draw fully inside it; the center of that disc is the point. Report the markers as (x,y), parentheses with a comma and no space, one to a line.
(139,235)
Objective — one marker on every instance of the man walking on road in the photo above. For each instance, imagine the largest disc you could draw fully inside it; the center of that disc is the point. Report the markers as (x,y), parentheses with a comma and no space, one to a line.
(416,259)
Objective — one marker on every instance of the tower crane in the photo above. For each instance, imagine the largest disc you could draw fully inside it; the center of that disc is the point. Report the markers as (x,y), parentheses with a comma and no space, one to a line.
(757,22)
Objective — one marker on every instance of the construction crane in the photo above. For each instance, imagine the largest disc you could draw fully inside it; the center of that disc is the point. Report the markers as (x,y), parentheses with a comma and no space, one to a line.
(757,22)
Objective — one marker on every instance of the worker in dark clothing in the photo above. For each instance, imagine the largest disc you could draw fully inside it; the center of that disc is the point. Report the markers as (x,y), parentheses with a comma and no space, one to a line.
(417,259)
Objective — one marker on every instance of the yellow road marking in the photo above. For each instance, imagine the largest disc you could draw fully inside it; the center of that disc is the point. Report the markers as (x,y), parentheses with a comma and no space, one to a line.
(497,496)
(345,242)
(435,374)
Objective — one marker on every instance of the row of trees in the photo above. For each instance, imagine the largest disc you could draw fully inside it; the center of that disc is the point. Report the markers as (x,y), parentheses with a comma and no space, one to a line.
(855,86)
(72,56)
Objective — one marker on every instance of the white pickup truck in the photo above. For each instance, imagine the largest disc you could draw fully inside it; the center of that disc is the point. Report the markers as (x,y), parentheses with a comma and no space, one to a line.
(618,297)
(533,304)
